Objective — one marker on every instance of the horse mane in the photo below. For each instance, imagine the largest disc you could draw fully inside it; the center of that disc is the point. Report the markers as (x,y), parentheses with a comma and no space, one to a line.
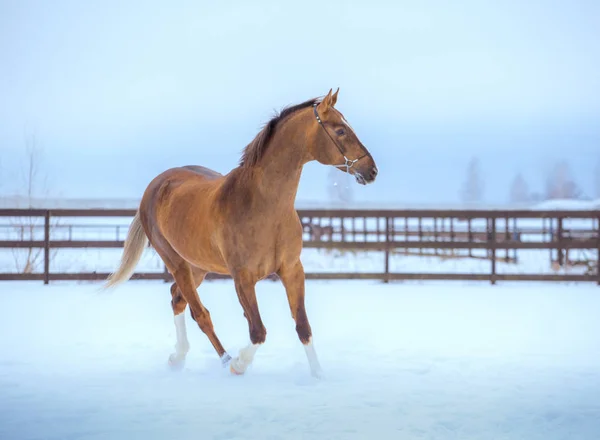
(256,149)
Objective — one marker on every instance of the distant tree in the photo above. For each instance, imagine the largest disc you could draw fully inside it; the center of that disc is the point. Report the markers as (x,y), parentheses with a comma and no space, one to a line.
(472,189)
(34,184)
(560,184)
(519,190)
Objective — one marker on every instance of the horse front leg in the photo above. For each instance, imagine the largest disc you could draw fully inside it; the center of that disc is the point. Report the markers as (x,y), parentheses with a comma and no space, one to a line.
(245,288)
(293,280)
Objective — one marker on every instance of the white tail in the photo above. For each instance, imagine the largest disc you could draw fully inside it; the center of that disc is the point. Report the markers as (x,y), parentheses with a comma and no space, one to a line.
(134,246)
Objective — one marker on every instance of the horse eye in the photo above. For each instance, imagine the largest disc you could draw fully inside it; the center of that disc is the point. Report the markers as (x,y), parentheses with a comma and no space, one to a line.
(340,132)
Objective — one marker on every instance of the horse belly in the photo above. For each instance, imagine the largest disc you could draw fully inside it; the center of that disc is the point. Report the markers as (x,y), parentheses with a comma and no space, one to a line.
(199,251)
(263,256)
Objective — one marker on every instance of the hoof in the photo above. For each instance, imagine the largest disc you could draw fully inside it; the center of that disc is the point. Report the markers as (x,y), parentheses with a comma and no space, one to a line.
(233,371)
(317,374)
(176,362)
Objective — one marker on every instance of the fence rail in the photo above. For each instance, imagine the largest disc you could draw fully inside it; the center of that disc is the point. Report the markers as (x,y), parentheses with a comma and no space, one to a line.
(442,233)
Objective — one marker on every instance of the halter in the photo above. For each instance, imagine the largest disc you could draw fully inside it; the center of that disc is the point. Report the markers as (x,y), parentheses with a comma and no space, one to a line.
(348,163)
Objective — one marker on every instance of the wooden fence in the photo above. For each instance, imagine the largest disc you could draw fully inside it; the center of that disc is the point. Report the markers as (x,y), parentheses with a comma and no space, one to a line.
(494,236)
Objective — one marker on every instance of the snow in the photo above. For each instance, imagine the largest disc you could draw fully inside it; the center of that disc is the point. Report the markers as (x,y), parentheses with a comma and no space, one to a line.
(402,361)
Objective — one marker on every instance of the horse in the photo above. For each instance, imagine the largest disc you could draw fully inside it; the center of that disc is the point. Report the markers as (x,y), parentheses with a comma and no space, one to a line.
(243,224)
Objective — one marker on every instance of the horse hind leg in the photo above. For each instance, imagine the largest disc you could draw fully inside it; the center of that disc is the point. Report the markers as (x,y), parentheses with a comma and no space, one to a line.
(199,313)
(182,345)
(187,281)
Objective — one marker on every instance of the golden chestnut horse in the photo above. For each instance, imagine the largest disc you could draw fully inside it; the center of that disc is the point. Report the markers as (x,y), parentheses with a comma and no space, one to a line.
(243,224)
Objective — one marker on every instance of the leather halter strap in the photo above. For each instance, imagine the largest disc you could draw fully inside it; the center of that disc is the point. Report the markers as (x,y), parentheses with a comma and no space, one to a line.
(347,162)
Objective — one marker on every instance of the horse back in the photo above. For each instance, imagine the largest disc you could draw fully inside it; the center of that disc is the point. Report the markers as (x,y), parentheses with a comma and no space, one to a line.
(203,171)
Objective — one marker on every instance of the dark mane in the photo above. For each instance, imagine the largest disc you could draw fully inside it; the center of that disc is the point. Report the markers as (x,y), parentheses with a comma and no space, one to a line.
(255,150)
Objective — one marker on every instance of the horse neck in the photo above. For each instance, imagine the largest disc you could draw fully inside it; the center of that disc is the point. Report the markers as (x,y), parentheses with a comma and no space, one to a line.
(279,170)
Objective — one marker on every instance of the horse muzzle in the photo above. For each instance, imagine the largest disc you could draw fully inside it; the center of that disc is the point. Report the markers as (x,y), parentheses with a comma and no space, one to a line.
(365,177)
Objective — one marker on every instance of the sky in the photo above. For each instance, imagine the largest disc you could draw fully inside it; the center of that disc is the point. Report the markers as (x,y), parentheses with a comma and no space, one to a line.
(117,92)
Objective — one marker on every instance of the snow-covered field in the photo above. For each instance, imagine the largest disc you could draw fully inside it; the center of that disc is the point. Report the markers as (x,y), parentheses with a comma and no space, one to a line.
(402,361)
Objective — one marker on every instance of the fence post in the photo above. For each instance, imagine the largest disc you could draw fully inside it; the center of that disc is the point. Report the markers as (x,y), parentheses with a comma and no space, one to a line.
(559,236)
(47,247)
(493,249)
(386,278)
(420,236)
(470,236)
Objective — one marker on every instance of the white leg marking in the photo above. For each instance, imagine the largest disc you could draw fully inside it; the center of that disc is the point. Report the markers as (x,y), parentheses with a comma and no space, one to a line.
(313,361)
(182,346)
(243,360)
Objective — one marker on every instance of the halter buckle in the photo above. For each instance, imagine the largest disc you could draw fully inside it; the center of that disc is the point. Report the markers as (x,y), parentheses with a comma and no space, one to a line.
(348,163)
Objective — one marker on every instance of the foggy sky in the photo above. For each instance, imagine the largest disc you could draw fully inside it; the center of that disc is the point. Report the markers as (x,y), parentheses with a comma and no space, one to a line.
(116,92)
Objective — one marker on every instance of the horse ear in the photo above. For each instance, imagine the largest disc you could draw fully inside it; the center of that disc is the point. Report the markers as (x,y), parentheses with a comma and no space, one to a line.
(327,102)
(334,97)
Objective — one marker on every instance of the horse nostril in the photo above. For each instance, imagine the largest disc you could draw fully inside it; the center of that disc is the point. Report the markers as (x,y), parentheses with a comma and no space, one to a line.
(374,172)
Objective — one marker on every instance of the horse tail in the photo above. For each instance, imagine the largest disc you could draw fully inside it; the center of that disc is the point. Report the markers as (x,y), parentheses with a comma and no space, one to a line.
(134,246)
